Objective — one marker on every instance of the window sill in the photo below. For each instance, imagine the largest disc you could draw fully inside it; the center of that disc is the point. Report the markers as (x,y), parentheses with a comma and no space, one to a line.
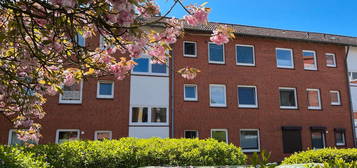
(340,145)
(314,108)
(190,100)
(308,69)
(218,105)
(218,63)
(247,106)
(243,64)
(285,67)
(190,56)
(288,108)
(70,102)
(148,124)
(100,97)
(331,66)
(335,104)
(150,74)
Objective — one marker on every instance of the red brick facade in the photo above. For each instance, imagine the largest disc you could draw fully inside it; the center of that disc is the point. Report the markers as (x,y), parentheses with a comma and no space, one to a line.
(113,114)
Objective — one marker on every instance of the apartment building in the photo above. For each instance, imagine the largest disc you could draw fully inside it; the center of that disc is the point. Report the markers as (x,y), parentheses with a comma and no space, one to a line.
(352,74)
(275,90)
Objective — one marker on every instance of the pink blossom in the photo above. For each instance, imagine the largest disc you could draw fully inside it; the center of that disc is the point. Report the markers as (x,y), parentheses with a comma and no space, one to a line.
(191,20)
(219,38)
(197,16)
(158,53)
(69,79)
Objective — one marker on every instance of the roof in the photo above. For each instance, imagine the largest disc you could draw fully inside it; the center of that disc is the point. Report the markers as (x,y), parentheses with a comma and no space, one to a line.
(277,33)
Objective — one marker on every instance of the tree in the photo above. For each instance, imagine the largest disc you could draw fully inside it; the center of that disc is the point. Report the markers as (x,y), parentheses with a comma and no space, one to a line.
(40,52)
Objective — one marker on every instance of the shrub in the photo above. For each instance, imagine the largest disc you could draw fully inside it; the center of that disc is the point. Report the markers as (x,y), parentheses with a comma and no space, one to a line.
(132,152)
(15,157)
(322,155)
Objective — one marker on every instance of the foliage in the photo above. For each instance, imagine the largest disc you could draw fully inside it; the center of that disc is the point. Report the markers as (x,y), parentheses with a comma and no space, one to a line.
(322,155)
(15,157)
(40,49)
(132,152)
(261,160)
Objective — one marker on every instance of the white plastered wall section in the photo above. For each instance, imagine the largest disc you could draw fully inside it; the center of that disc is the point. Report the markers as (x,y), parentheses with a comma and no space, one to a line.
(352,67)
(149,91)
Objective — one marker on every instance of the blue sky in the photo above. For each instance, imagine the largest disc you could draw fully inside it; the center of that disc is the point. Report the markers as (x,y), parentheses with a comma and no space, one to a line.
(324,16)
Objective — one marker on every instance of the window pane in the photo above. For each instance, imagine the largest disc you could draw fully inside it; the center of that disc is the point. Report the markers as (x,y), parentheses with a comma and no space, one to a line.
(105,88)
(313,98)
(103,135)
(287,97)
(317,140)
(340,138)
(16,141)
(284,58)
(72,92)
(292,141)
(190,134)
(249,140)
(190,92)
(335,99)
(246,95)
(67,136)
(158,68)
(158,115)
(139,114)
(330,60)
(354,75)
(219,136)
(80,40)
(245,54)
(142,66)
(217,95)
(216,53)
(309,60)
(190,48)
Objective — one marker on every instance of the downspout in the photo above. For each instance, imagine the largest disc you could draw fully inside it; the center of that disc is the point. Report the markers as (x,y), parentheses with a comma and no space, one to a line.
(350,98)
(172,76)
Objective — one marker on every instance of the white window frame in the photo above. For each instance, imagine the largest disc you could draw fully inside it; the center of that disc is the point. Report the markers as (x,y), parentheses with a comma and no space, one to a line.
(244,45)
(187,55)
(343,138)
(150,68)
(184,92)
(102,131)
(256,96)
(225,130)
(99,96)
(73,101)
(225,96)
(338,98)
(315,60)
(131,123)
(295,94)
(216,62)
(197,133)
(250,150)
(10,136)
(66,130)
(84,40)
(319,99)
(291,56)
(334,60)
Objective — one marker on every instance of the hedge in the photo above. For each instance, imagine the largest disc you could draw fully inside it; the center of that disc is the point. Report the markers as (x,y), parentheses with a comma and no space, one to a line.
(322,155)
(16,157)
(132,152)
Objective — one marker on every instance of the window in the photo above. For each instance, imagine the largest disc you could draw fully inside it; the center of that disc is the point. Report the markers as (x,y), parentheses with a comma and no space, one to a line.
(288,98)
(245,55)
(145,66)
(215,53)
(309,60)
(249,140)
(318,138)
(247,96)
(105,89)
(190,92)
(191,134)
(14,140)
(313,97)
(340,137)
(292,139)
(189,49)
(353,76)
(330,60)
(80,40)
(220,135)
(101,135)
(217,95)
(149,115)
(102,43)
(284,58)
(158,115)
(67,135)
(335,97)
(72,94)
